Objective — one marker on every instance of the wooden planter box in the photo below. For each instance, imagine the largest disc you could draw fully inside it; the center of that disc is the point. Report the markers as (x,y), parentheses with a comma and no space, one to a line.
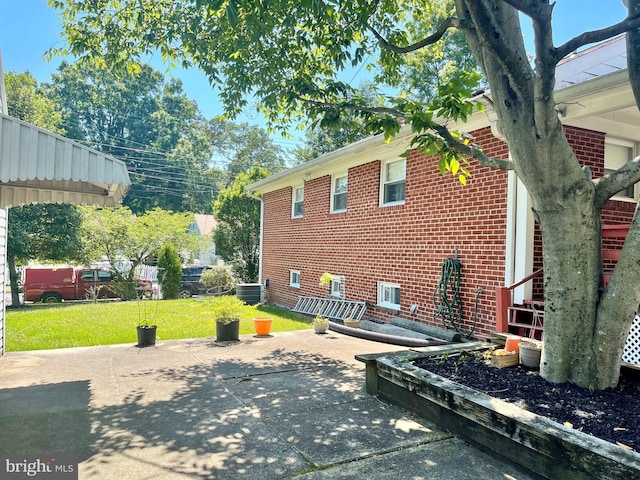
(542,446)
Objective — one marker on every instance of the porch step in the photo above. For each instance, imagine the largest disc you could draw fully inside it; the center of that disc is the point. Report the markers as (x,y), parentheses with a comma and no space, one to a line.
(527,320)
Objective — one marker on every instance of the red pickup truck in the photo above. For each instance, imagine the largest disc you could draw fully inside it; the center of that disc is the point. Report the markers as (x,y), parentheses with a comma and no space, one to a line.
(54,284)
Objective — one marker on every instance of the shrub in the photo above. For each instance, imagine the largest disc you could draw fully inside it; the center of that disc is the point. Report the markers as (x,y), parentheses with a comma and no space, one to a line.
(169,271)
(219,279)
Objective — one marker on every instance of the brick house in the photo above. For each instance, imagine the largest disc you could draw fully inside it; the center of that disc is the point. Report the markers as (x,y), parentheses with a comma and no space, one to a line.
(384,225)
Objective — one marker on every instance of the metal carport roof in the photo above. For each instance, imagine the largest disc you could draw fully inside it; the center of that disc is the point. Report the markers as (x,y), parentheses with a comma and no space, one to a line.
(38,166)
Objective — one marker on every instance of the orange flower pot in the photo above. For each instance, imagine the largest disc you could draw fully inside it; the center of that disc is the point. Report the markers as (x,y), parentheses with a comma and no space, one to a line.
(262,325)
(512,344)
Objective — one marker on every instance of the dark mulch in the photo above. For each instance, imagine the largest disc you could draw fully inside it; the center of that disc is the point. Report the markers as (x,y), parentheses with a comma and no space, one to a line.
(612,414)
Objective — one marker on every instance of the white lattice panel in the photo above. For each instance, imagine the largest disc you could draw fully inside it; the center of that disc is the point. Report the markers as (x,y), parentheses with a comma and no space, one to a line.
(631,352)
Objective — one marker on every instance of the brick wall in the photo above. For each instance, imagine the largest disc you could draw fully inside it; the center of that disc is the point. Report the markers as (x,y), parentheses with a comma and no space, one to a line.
(403,244)
(406,244)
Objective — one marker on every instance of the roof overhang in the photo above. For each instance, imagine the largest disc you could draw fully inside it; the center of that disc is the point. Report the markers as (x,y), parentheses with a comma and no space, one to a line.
(38,166)
(357,153)
(604,104)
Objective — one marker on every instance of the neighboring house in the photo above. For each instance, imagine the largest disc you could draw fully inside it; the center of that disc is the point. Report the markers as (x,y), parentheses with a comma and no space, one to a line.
(384,225)
(37,166)
(204,225)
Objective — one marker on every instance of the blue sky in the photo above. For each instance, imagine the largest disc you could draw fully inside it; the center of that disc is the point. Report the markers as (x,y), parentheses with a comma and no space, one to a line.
(29,27)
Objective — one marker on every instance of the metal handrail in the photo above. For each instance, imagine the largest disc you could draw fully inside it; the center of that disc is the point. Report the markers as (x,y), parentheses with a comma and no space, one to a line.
(526,279)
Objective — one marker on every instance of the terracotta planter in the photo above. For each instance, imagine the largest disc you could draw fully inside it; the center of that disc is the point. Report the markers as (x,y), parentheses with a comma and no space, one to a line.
(512,343)
(262,325)
(147,336)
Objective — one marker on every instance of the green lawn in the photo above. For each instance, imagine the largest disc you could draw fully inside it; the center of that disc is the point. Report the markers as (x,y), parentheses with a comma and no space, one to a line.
(41,327)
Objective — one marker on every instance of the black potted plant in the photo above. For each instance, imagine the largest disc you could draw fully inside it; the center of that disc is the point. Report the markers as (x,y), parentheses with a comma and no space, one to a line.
(226,312)
(146,323)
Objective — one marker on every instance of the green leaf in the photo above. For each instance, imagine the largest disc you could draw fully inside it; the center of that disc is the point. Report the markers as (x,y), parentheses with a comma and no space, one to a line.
(232,14)
(454,165)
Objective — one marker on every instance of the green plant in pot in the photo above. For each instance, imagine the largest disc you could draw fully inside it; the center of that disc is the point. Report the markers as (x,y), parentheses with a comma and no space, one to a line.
(147,329)
(226,312)
(320,324)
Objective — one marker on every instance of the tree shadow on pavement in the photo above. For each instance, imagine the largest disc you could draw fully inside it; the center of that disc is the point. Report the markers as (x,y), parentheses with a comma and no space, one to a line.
(232,418)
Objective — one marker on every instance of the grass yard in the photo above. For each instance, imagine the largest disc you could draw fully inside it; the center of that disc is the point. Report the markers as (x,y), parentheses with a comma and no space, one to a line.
(43,327)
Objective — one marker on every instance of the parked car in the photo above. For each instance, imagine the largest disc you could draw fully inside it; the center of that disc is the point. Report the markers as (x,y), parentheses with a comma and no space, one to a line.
(190,281)
(55,284)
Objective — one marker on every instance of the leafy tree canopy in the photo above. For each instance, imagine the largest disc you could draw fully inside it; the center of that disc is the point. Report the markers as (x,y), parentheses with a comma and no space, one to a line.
(26,101)
(151,125)
(284,52)
(241,147)
(237,236)
(127,240)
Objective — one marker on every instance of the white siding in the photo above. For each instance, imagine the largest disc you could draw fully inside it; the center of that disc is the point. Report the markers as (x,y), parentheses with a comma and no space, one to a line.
(3,279)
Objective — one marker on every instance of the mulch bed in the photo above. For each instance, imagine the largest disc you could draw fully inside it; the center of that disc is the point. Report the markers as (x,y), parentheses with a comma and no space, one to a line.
(612,415)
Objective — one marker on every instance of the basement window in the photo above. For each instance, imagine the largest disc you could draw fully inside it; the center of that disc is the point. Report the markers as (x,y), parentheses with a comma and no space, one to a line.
(336,286)
(294,278)
(389,296)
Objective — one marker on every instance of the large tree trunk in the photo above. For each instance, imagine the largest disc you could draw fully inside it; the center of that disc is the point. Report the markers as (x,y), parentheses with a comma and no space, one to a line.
(13,280)
(617,308)
(584,332)
(572,266)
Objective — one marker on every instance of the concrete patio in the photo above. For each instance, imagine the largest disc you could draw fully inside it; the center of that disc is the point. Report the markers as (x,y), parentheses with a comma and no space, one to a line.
(289,405)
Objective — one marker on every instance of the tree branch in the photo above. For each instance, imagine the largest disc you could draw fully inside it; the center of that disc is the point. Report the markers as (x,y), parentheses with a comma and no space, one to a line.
(494,39)
(472,151)
(610,184)
(442,131)
(352,106)
(525,6)
(595,36)
(431,39)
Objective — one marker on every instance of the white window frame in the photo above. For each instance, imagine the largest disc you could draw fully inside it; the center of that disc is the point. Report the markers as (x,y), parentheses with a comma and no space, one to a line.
(336,286)
(334,181)
(621,196)
(384,182)
(292,278)
(383,289)
(294,202)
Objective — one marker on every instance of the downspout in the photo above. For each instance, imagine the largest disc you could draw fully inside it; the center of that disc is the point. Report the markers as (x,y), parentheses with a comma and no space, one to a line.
(260,247)
(4,226)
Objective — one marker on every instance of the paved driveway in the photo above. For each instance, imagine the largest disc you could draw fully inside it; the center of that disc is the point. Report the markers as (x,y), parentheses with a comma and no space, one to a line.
(289,405)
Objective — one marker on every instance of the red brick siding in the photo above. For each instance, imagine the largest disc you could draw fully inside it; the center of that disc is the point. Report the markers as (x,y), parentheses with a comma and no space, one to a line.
(407,244)
(400,244)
